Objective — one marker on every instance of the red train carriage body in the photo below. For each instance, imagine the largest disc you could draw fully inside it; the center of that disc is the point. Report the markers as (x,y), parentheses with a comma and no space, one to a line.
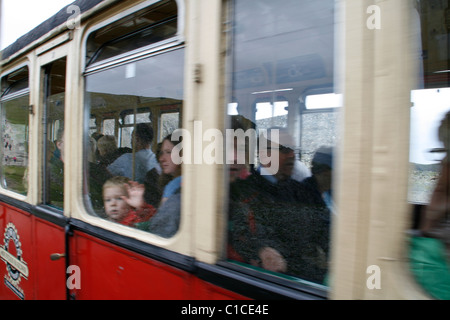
(96,269)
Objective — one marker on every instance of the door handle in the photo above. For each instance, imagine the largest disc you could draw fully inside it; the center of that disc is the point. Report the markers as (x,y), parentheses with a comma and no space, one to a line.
(57,256)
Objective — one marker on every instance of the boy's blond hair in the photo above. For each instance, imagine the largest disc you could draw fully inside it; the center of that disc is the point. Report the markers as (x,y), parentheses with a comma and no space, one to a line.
(117,181)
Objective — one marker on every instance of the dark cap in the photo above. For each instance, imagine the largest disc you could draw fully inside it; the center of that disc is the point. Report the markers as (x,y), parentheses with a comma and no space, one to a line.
(323,159)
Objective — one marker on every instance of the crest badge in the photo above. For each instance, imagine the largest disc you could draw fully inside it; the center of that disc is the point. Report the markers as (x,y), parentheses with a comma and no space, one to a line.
(11,253)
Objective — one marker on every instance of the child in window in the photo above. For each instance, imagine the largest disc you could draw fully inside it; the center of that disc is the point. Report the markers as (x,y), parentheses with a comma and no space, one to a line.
(124,201)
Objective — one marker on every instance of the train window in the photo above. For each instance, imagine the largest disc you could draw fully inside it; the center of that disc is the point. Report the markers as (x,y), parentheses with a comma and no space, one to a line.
(429,107)
(121,93)
(233,109)
(14,106)
(108,127)
(430,102)
(133,32)
(280,199)
(53,136)
(323,101)
(429,145)
(169,121)
(270,114)
(129,97)
(128,125)
(92,126)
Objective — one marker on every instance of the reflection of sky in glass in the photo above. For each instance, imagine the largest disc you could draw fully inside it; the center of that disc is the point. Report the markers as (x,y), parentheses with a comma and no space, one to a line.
(274,47)
(429,108)
(159,76)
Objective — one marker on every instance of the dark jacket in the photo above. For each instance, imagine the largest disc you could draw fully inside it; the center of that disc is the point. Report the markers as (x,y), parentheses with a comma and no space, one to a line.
(283,216)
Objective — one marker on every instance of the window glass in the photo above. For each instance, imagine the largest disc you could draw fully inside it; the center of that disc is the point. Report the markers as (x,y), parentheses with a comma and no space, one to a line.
(109,126)
(53,136)
(130,163)
(138,30)
(233,109)
(14,106)
(280,199)
(430,100)
(170,121)
(92,126)
(323,101)
(429,178)
(270,114)
(158,81)
(15,82)
(427,149)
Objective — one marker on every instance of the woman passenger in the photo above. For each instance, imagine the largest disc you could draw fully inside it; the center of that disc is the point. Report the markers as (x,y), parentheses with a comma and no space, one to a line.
(167,220)
(170,168)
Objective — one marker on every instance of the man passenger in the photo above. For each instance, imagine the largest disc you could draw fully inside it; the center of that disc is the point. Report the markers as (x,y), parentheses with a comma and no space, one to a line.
(320,183)
(144,158)
(274,226)
(56,171)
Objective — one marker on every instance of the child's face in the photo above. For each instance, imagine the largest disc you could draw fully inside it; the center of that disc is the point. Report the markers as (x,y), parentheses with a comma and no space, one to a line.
(115,207)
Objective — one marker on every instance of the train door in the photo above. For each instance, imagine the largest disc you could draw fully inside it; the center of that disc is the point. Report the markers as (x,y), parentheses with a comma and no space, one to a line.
(32,238)
(51,226)
(49,222)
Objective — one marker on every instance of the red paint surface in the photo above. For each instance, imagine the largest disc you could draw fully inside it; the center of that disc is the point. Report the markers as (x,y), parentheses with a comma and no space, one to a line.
(38,240)
(111,272)
(106,271)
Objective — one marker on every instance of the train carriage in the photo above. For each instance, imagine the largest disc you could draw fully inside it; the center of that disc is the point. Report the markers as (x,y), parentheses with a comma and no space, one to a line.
(359,87)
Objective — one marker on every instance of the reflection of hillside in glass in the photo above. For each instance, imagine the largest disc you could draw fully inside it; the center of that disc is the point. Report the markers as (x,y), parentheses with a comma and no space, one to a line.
(422,181)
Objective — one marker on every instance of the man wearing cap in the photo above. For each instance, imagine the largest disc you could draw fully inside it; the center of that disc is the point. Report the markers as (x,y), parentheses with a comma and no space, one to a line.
(320,182)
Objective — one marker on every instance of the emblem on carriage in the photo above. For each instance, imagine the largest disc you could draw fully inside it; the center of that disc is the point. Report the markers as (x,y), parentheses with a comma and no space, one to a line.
(11,254)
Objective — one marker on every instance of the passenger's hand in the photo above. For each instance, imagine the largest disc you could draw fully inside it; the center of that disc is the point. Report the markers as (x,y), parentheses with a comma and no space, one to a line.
(272,260)
(135,194)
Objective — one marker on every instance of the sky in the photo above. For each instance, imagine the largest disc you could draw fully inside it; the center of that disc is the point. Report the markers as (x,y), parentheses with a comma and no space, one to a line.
(20,16)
